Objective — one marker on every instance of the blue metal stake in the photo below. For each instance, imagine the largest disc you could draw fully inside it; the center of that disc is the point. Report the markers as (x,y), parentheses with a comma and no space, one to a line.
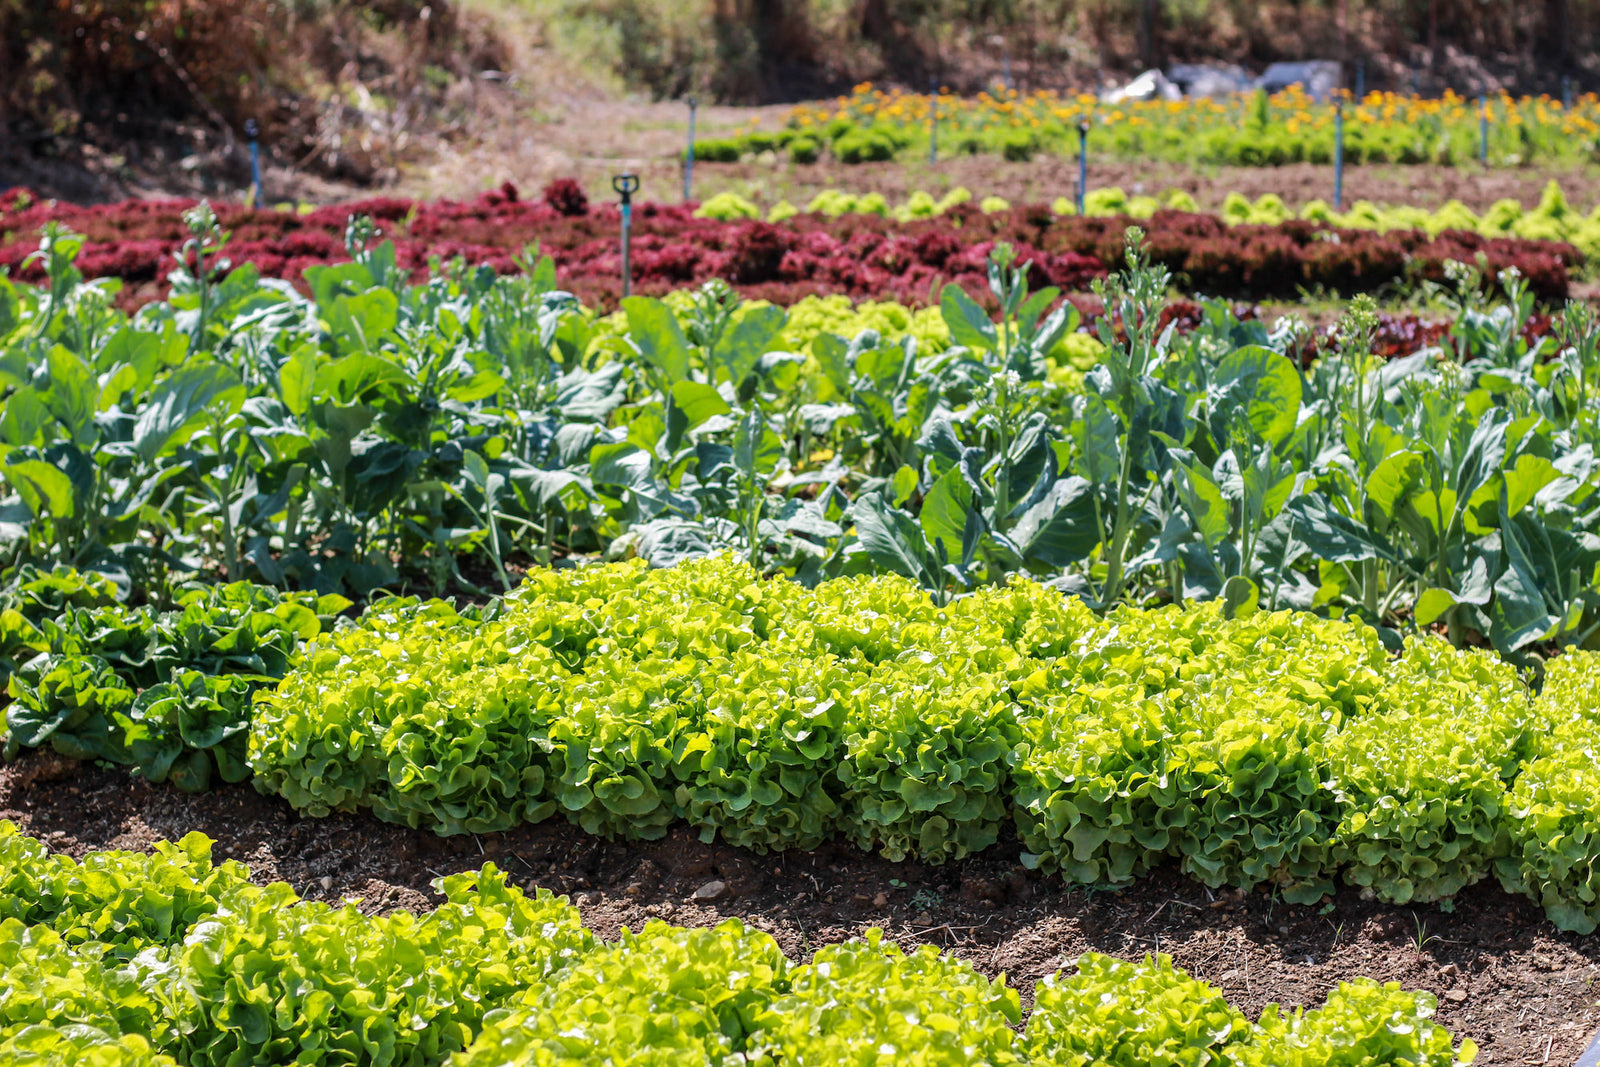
(1083,161)
(1338,156)
(933,120)
(688,161)
(1483,128)
(1566,93)
(252,131)
(1361,80)
(626,185)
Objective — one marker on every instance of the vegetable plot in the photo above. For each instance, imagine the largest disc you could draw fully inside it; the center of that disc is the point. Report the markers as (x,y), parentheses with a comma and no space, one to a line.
(385,436)
(1252,748)
(243,973)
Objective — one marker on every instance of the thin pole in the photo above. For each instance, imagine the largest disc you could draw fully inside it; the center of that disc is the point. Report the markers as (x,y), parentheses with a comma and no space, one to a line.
(1566,92)
(1483,128)
(688,158)
(1338,156)
(1361,79)
(626,185)
(252,131)
(1083,161)
(933,119)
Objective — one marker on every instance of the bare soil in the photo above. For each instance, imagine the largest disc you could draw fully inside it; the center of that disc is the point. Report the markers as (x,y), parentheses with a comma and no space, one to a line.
(1524,991)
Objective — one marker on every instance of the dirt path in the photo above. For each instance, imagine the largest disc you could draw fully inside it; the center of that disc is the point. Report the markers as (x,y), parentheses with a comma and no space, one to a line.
(1523,991)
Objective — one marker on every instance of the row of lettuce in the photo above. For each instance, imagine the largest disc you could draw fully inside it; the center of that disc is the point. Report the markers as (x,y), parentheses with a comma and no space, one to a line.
(1552,218)
(166,958)
(1251,748)
(1244,129)
(862,255)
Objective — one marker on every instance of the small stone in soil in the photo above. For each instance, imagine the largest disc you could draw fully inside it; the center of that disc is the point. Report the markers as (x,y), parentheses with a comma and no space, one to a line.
(327,882)
(1456,995)
(713,890)
(880,900)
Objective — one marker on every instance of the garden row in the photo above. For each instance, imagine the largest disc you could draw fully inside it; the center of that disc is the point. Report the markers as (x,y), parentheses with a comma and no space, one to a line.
(1551,219)
(1251,748)
(865,256)
(159,959)
(1257,129)
(1255,749)
(385,436)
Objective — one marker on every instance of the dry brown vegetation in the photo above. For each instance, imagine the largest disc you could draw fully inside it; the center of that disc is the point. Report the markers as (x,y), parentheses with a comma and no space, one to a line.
(341,89)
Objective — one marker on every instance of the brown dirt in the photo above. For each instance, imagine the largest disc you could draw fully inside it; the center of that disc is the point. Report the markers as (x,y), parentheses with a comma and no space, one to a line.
(1525,992)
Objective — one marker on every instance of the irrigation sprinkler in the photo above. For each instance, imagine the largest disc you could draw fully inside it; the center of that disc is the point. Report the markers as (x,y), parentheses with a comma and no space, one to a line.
(1083,161)
(1338,155)
(933,120)
(688,157)
(253,132)
(626,185)
(1483,128)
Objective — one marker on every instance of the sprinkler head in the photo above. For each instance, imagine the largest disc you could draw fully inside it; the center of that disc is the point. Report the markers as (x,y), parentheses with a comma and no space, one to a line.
(625,185)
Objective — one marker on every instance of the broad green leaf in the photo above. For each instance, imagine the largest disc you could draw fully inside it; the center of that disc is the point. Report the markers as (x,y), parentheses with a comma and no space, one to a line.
(698,402)
(181,403)
(891,538)
(1520,612)
(72,394)
(44,488)
(359,322)
(1264,384)
(353,378)
(1525,479)
(1332,536)
(752,334)
(654,333)
(1432,605)
(968,323)
(833,355)
(1099,448)
(1060,529)
(944,517)
(622,464)
(1395,480)
(297,379)
(1203,500)
(22,417)
(1239,596)
(904,484)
